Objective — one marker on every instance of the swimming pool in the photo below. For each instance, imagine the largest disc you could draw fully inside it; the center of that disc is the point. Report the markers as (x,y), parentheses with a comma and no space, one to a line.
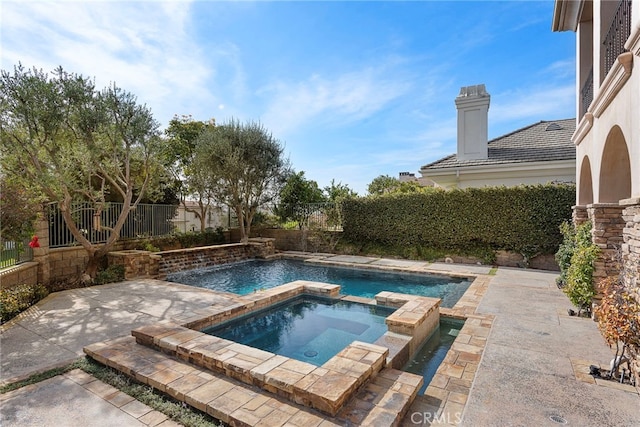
(310,329)
(249,276)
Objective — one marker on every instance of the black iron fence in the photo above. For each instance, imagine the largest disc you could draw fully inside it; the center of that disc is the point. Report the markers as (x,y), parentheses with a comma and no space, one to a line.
(13,253)
(586,92)
(318,216)
(146,220)
(618,33)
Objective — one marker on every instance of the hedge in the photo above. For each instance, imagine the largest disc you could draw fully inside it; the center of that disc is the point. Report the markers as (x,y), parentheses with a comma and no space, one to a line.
(523,219)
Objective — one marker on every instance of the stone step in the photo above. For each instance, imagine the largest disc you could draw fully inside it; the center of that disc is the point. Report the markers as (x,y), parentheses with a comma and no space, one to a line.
(383,401)
(326,388)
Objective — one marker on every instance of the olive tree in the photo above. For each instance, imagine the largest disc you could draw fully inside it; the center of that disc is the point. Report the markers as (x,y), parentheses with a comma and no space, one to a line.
(295,197)
(245,166)
(179,152)
(19,209)
(73,143)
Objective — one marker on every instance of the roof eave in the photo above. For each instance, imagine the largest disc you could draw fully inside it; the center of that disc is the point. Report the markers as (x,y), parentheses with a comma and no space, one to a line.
(566,15)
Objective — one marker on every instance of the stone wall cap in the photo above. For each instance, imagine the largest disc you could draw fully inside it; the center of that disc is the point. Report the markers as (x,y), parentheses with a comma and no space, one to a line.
(604,205)
(630,201)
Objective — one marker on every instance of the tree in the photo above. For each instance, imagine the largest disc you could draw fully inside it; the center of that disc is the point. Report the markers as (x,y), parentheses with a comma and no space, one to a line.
(179,153)
(295,197)
(383,184)
(19,209)
(245,168)
(73,143)
(336,194)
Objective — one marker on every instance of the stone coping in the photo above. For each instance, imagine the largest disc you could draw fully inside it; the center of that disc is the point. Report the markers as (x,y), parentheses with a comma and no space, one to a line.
(381,264)
(326,388)
(383,401)
(446,395)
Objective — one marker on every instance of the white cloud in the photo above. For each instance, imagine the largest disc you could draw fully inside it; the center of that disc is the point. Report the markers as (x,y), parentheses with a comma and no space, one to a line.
(331,101)
(535,103)
(144,47)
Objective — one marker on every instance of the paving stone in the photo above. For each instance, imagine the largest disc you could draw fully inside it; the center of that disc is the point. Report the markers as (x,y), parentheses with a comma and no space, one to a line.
(153,418)
(184,385)
(135,409)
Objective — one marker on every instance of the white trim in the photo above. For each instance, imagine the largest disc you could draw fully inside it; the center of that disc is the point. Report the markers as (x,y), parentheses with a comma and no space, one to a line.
(613,83)
(566,15)
(633,42)
(583,128)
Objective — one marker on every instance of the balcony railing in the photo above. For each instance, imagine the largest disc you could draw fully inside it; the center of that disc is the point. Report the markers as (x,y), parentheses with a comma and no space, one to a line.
(619,32)
(586,92)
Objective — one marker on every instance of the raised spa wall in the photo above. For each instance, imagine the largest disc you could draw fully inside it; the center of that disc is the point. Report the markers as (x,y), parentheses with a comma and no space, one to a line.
(326,388)
(158,265)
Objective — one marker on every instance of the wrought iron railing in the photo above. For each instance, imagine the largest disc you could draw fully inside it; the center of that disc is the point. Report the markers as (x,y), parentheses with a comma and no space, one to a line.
(316,216)
(586,92)
(618,33)
(146,220)
(13,253)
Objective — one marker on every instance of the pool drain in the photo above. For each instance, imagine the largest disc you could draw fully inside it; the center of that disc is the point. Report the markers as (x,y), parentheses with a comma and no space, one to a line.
(557,419)
(310,353)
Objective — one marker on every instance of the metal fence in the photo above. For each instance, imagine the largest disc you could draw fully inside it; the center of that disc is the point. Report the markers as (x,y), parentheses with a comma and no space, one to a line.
(146,220)
(317,216)
(149,220)
(13,253)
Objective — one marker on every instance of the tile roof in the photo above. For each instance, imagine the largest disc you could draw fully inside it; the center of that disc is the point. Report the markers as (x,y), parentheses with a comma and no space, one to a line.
(542,141)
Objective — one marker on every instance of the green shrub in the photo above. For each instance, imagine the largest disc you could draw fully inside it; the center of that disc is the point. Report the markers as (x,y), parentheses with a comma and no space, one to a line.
(522,219)
(111,274)
(576,257)
(579,287)
(15,300)
(573,237)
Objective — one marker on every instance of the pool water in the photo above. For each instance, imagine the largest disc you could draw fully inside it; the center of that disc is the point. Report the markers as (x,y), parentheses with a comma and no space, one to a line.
(434,350)
(249,276)
(309,329)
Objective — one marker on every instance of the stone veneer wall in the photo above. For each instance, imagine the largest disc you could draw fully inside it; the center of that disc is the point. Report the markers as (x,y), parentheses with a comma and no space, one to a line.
(607,225)
(630,250)
(188,259)
(616,230)
(21,274)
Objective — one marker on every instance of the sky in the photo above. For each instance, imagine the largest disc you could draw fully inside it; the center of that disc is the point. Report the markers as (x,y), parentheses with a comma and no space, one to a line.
(352,90)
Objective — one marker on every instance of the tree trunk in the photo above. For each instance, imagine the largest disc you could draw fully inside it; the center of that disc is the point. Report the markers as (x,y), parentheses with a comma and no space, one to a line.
(93,264)
(203,222)
(244,236)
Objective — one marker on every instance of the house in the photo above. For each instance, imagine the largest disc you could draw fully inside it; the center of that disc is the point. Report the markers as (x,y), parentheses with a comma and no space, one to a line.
(607,136)
(186,219)
(536,154)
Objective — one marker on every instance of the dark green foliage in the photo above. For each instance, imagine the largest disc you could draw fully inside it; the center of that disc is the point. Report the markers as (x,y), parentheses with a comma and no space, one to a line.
(15,300)
(573,238)
(522,219)
(576,257)
(295,197)
(111,274)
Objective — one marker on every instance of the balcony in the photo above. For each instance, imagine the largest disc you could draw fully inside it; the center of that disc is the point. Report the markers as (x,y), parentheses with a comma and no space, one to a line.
(618,33)
(586,93)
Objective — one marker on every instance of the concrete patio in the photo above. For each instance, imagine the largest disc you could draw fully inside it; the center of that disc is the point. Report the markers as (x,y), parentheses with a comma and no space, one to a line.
(531,367)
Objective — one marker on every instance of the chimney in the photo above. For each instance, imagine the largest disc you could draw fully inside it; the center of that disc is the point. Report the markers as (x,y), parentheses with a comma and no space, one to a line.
(473,111)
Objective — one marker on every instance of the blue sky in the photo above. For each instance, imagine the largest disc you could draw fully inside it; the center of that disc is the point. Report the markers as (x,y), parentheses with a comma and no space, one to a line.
(353,89)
